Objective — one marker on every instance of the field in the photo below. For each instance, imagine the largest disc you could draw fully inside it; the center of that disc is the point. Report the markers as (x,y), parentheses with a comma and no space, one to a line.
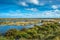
(49,30)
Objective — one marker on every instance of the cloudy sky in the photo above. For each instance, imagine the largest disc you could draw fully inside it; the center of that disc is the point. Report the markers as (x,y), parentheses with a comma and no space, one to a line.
(29,8)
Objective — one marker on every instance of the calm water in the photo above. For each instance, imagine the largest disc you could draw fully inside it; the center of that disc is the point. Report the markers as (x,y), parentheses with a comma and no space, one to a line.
(4,29)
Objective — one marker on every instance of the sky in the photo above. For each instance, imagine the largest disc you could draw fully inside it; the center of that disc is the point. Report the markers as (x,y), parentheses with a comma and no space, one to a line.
(29,8)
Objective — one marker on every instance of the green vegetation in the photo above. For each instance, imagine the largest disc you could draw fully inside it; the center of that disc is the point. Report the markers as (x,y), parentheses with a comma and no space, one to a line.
(50,30)
(45,32)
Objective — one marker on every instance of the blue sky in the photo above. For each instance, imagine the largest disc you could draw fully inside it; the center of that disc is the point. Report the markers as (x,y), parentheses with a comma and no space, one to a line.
(29,8)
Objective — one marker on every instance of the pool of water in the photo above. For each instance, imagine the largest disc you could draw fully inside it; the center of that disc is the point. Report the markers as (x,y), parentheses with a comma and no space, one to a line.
(4,29)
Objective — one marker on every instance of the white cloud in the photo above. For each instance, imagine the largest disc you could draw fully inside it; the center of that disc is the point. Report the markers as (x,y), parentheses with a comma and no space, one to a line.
(32,9)
(25,2)
(22,3)
(34,2)
(44,14)
(52,13)
(54,6)
(57,10)
(16,14)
